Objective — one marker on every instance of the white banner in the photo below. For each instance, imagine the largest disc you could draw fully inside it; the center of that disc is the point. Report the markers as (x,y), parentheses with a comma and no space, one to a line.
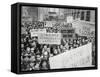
(79,57)
(69,19)
(49,23)
(84,31)
(35,32)
(49,38)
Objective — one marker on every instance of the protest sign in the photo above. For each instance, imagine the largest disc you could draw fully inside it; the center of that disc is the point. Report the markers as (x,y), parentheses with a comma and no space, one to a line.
(84,31)
(35,32)
(68,33)
(50,23)
(38,24)
(79,57)
(69,19)
(49,38)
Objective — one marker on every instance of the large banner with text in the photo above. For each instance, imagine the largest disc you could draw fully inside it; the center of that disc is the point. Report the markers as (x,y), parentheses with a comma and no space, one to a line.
(79,57)
(49,38)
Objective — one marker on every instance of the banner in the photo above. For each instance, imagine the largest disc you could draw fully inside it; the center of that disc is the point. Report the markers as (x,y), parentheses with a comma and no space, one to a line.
(38,24)
(85,31)
(69,19)
(49,38)
(79,57)
(35,32)
(68,33)
(49,23)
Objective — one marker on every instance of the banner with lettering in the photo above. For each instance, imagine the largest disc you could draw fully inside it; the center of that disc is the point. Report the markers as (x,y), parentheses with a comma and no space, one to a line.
(35,32)
(49,38)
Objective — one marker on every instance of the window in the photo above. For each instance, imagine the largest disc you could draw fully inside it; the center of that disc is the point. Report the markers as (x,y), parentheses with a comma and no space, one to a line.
(88,16)
(82,15)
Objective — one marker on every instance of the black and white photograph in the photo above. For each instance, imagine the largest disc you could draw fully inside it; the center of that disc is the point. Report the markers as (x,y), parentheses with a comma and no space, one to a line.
(57,38)
(49,38)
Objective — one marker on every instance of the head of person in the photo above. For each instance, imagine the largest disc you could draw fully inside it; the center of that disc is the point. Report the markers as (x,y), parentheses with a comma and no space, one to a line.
(71,47)
(45,46)
(78,41)
(32,58)
(38,57)
(22,45)
(29,40)
(32,64)
(33,44)
(55,52)
(37,66)
(61,46)
(44,65)
(28,49)
(74,40)
(32,50)
(22,40)
(38,51)
(58,47)
(34,38)
(83,40)
(25,57)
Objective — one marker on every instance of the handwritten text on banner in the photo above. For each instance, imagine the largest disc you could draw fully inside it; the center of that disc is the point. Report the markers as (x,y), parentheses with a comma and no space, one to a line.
(49,38)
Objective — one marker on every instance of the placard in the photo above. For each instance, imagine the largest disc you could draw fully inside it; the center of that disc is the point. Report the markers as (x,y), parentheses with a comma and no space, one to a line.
(38,24)
(84,31)
(35,32)
(49,23)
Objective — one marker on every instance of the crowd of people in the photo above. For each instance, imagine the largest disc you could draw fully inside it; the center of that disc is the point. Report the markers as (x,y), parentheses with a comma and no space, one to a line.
(35,56)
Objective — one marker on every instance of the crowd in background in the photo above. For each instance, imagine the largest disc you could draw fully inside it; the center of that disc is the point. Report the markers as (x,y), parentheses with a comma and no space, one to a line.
(35,56)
